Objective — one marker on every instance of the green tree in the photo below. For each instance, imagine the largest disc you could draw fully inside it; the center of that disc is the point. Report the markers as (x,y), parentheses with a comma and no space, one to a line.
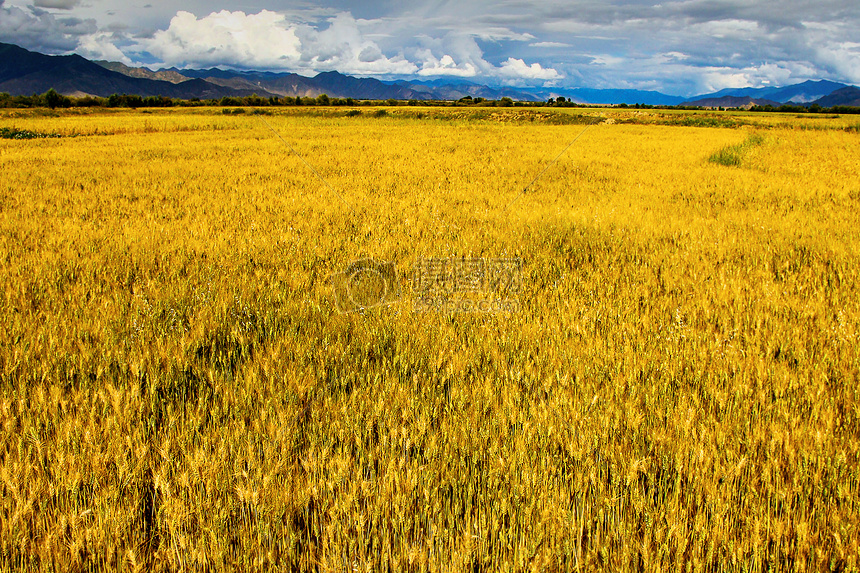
(53,99)
(89,101)
(255,100)
(133,100)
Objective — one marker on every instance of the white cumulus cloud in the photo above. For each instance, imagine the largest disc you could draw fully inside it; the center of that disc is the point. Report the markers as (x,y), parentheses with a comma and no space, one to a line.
(268,40)
(102,46)
(842,57)
(763,75)
(516,68)
(446,66)
(343,47)
(227,38)
(459,55)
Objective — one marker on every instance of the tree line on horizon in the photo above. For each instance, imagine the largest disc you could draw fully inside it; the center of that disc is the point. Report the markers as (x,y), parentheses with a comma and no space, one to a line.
(52,99)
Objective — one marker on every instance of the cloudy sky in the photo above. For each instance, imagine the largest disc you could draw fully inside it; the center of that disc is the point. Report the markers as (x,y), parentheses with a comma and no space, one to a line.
(678,47)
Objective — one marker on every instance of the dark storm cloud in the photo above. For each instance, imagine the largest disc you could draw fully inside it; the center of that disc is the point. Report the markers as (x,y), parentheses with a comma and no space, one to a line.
(58,4)
(37,29)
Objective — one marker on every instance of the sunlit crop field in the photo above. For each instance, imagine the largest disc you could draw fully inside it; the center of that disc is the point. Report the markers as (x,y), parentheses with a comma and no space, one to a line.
(676,391)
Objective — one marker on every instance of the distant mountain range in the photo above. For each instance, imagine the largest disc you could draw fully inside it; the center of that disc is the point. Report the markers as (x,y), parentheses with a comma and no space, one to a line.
(806,92)
(23,72)
(732,101)
(823,93)
(333,84)
(849,96)
(614,96)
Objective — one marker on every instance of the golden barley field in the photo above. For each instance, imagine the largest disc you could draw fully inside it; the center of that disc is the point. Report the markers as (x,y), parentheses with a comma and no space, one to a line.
(676,390)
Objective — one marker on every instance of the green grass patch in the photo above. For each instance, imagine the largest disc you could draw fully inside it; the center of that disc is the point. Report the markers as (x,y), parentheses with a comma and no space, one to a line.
(12,133)
(706,121)
(732,155)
